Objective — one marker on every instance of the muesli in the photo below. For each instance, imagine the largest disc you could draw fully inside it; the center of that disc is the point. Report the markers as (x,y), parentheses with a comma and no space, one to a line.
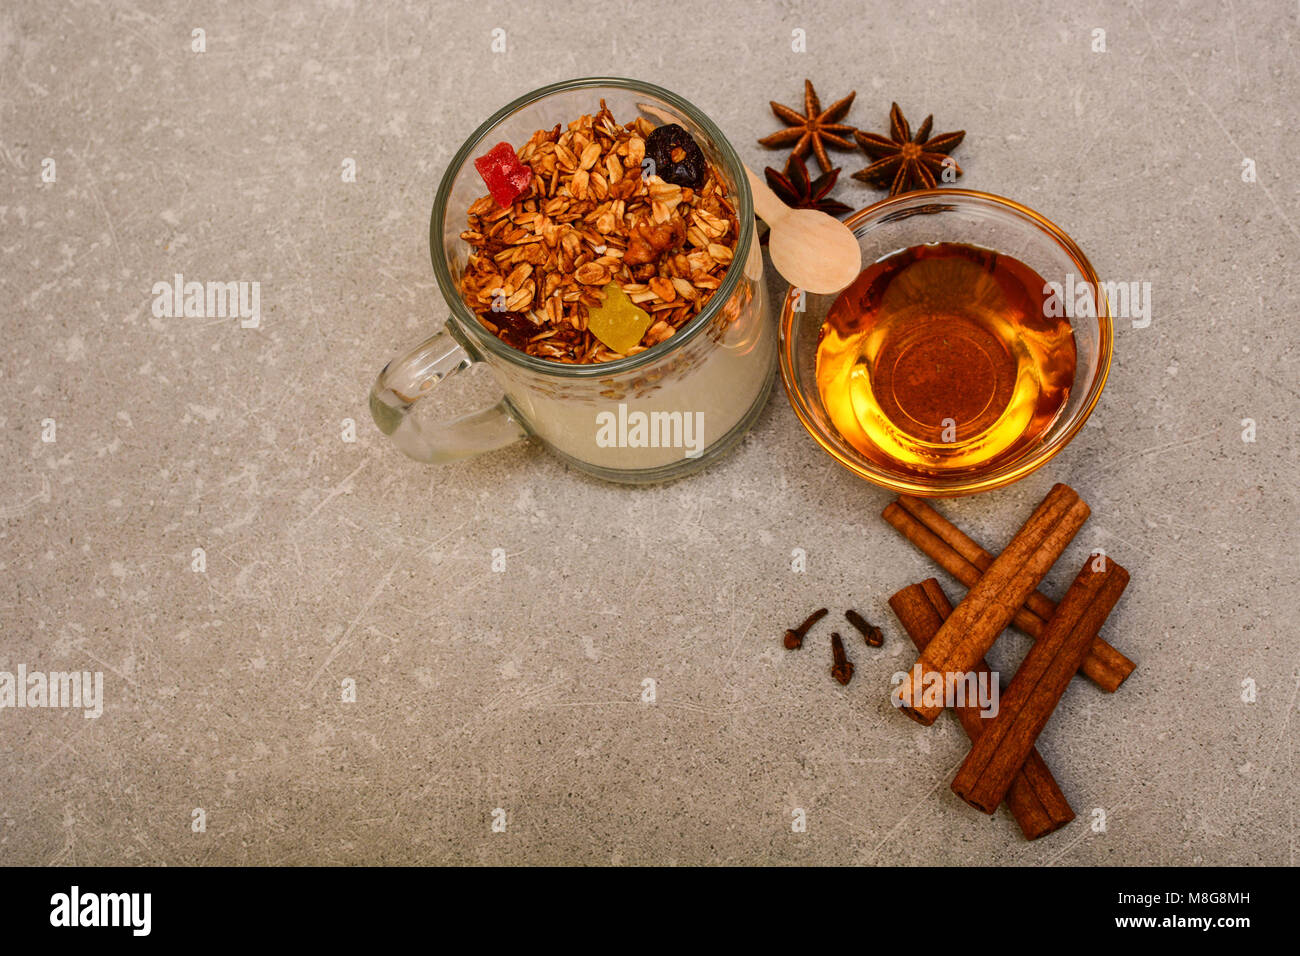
(612,238)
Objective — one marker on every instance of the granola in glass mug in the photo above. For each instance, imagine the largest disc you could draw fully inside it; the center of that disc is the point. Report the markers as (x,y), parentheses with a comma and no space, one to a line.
(623,313)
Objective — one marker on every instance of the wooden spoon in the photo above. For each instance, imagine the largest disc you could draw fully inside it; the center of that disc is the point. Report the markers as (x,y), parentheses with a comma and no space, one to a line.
(812,250)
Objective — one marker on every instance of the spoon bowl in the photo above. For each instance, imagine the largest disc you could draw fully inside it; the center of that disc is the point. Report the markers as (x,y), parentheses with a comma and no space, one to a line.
(812,251)
(817,249)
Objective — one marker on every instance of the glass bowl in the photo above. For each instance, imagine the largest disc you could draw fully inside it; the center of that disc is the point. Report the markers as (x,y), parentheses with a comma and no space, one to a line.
(977,219)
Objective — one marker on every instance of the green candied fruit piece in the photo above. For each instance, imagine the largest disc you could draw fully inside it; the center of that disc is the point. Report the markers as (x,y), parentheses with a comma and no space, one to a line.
(617,322)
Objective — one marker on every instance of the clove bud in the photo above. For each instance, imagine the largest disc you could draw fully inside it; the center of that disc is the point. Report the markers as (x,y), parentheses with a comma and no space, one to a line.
(794,636)
(842,669)
(870,633)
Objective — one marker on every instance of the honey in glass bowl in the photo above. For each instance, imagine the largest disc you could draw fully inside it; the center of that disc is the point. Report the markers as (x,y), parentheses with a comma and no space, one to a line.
(945,358)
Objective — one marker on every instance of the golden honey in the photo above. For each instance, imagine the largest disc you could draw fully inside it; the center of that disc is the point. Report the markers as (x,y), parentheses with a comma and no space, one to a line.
(944,359)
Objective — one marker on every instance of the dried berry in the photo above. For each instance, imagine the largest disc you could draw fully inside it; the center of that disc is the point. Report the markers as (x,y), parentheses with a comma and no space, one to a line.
(516,328)
(676,156)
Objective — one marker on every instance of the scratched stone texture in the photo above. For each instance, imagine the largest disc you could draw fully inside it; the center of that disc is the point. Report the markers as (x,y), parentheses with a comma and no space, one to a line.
(329,560)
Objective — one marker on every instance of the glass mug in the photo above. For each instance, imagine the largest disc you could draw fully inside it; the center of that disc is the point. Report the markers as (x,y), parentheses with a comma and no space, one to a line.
(656,415)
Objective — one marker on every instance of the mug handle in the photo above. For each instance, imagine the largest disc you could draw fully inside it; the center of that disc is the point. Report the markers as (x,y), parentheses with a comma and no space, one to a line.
(409,378)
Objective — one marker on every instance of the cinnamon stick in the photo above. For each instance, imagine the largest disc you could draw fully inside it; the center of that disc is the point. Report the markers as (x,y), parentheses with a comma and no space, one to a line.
(1035,799)
(996,758)
(965,560)
(993,600)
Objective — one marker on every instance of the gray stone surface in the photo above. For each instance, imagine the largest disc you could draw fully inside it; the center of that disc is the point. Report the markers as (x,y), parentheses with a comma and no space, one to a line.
(521,690)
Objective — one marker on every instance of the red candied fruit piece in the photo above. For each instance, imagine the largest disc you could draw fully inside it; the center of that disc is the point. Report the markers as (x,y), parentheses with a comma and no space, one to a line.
(504,175)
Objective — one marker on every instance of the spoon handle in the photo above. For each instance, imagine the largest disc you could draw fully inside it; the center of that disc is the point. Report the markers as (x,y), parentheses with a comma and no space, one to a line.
(766,203)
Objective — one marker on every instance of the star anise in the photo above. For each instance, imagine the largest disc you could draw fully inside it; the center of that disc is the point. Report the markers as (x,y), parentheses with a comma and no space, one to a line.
(813,128)
(905,162)
(799,192)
